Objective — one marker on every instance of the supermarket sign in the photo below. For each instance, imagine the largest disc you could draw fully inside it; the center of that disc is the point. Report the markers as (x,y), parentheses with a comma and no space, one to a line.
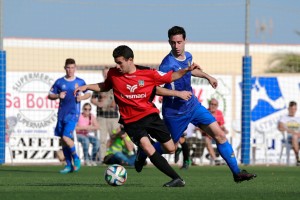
(32,117)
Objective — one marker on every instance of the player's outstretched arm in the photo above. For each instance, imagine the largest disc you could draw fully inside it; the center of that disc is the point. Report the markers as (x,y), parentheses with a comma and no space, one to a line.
(186,95)
(83,97)
(182,72)
(53,96)
(97,87)
(61,95)
(201,74)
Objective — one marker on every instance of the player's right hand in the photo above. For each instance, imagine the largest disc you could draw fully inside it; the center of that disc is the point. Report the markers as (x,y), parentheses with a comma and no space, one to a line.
(80,89)
(185,95)
(62,94)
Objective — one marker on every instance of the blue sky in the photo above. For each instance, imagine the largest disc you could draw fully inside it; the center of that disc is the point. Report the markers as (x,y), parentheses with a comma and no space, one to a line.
(221,21)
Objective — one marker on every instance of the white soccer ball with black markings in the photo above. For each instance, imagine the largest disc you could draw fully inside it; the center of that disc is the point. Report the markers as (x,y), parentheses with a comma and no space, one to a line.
(115,175)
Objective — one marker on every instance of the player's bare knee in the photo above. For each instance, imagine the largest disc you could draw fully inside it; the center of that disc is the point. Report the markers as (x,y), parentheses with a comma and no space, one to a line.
(169,147)
(148,148)
(171,150)
(220,138)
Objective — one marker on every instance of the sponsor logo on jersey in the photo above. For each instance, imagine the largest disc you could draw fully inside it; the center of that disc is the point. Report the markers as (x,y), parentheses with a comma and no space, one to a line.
(131,88)
(134,96)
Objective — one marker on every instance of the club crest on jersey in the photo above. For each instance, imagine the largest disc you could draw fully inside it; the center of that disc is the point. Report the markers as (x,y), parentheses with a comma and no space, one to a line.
(141,83)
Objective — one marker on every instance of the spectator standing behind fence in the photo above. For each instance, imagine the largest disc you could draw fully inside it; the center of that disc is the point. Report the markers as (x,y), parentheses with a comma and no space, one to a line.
(86,134)
(120,150)
(68,112)
(213,109)
(107,115)
(291,124)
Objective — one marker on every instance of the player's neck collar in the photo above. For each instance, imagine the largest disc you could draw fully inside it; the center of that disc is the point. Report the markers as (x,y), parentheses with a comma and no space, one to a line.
(178,58)
(69,79)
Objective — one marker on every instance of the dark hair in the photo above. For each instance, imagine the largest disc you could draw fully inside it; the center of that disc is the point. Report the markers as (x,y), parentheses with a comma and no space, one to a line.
(292,103)
(176,30)
(69,61)
(87,104)
(124,51)
(90,115)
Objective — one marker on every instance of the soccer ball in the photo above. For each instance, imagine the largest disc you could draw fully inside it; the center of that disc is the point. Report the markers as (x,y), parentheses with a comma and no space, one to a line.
(115,175)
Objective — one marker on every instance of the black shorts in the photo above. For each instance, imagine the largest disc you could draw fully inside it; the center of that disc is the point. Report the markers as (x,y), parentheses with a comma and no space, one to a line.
(151,125)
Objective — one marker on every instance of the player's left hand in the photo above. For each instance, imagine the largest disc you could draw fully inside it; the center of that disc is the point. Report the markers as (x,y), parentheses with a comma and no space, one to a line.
(213,82)
(80,89)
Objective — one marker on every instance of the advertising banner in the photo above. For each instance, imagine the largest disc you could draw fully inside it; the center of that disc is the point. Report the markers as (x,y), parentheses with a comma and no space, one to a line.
(31,117)
(270,97)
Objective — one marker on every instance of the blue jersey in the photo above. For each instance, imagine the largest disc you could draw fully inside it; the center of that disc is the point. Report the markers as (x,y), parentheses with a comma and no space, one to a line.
(69,108)
(174,105)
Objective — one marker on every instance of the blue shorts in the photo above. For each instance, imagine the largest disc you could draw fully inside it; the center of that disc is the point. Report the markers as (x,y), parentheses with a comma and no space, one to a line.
(179,123)
(65,128)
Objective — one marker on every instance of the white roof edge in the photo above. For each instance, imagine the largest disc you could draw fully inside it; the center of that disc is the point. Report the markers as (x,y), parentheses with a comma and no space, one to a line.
(144,46)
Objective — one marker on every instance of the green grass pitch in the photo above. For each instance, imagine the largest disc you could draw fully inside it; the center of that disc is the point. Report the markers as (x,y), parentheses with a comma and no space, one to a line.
(202,183)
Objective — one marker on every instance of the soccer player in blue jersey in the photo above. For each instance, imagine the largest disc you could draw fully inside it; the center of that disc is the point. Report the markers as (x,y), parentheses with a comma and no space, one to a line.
(178,113)
(68,112)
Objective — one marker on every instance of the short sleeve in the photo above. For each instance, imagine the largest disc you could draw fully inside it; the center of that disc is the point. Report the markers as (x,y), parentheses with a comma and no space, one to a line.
(54,89)
(222,121)
(162,77)
(280,119)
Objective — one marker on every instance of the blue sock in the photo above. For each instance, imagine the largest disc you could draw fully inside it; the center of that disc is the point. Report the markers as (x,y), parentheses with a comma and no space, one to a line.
(227,154)
(67,155)
(73,152)
(158,148)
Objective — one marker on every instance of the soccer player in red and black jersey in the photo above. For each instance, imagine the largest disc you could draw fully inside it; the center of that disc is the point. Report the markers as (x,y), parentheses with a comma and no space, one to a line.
(133,87)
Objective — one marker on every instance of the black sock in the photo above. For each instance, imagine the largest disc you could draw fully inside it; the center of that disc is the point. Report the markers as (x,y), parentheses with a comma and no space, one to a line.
(185,151)
(162,164)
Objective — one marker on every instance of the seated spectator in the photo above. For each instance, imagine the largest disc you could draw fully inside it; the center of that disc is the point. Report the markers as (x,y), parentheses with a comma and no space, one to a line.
(120,150)
(195,143)
(86,127)
(291,124)
(184,147)
(213,108)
